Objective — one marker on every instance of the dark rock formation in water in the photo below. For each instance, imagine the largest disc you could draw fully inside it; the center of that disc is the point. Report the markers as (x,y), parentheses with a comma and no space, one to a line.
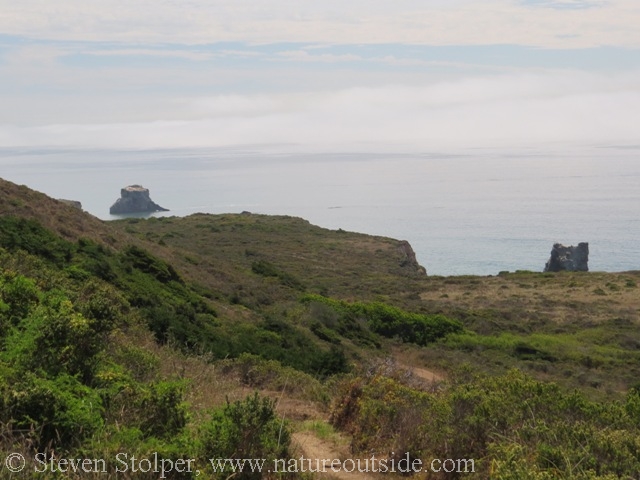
(408,258)
(135,199)
(572,258)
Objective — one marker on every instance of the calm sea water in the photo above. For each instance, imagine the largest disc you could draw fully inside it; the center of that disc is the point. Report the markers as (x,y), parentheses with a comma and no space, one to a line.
(480,212)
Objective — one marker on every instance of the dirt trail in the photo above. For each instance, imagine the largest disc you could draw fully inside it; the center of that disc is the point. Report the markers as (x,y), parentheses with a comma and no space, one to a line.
(425,374)
(296,409)
(314,448)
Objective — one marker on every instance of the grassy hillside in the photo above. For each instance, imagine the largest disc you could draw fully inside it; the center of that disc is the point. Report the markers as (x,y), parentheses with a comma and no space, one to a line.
(225,250)
(579,329)
(153,335)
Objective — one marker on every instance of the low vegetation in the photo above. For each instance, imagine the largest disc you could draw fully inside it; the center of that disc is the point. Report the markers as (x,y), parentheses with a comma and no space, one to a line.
(221,336)
(386,320)
(513,426)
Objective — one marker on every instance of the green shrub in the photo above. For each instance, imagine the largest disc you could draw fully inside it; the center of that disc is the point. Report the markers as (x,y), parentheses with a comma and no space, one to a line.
(145,262)
(118,445)
(156,409)
(409,327)
(64,339)
(381,413)
(324,333)
(257,372)
(163,409)
(557,433)
(632,404)
(48,332)
(29,235)
(19,295)
(245,429)
(103,304)
(140,362)
(292,346)
(386,320)
(267,269)
(512,426)
(329,320)
(59,411)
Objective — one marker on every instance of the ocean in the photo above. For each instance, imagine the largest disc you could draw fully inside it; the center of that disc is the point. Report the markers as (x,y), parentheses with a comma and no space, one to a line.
(471,212)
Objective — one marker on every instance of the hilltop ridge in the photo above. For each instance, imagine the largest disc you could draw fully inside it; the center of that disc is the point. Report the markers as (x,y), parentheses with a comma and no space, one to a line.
(58,216)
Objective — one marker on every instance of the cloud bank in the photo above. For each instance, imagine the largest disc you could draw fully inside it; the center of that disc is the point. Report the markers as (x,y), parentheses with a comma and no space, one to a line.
(331,75)
(493,111)
(543,23)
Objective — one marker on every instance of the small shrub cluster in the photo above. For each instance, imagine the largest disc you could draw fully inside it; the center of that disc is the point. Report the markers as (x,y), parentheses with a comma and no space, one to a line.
(268,269)
(383,319)
(512,426)
(245,429)
(28,235)
(381,414)
(135,257)
(256,372)
(49,353)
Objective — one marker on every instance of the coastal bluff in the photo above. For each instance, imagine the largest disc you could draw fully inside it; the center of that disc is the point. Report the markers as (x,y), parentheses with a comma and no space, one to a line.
(135,199)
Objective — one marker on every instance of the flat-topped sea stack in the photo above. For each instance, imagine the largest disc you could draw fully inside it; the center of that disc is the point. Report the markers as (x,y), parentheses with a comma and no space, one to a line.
(135,199)
(571,259)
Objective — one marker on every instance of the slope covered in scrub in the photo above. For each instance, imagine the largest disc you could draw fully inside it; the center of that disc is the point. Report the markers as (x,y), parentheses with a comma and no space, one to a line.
(223,335)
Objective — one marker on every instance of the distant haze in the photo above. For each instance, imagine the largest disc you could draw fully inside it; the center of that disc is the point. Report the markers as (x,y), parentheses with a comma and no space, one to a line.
(361,75)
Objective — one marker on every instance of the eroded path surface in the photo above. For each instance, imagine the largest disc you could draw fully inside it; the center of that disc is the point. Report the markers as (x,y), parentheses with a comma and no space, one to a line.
(316,450)
(424,374)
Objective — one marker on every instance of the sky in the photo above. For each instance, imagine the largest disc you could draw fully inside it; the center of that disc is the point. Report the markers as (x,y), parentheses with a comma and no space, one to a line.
(360,75)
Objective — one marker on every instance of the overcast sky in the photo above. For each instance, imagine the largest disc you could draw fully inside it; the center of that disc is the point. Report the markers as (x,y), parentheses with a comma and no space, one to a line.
(335,75)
